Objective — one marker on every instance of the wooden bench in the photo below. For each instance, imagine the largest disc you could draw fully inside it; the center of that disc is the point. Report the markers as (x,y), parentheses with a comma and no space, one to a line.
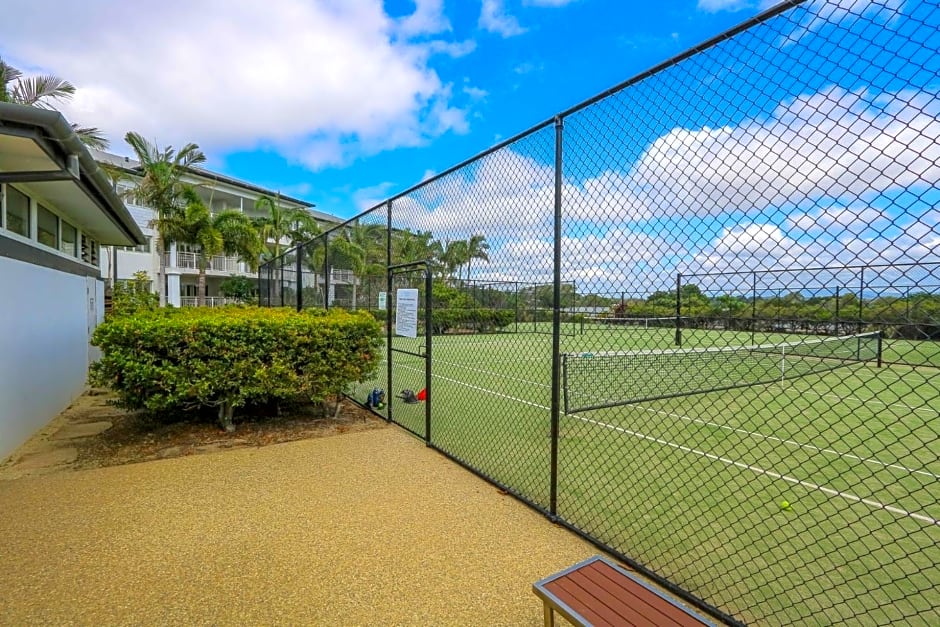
(598,592)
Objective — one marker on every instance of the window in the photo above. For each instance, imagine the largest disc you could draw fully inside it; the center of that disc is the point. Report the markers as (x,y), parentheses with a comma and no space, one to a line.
(17,212)
(89,250)
(69,243)
(47,224)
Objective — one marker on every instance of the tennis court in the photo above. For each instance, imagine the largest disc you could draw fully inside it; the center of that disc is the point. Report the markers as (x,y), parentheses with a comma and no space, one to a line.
(822,479)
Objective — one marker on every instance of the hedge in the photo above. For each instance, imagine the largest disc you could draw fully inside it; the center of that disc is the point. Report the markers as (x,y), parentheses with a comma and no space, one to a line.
(479,320)
(170,360)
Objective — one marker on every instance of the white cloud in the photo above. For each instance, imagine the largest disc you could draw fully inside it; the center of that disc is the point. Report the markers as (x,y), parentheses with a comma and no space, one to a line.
(368,197)
(832,220)
(833,239)
(475,93)
(833,144)
(428,18)
(454,49)
(500,194)
(822,12)
(527,67)
(493,18)
(548,3)
(321,82)
(714,6)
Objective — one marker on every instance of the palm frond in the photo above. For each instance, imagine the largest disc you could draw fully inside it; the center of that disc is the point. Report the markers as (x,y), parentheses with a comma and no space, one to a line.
(35,90)
(91,137)
(8,75)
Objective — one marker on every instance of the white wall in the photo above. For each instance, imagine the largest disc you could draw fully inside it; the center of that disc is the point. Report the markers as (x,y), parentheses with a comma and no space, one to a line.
(44,322)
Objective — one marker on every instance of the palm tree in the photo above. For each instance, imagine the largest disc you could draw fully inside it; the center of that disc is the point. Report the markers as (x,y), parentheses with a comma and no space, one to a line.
(231,232)
(476,249)
(298,225)
(161,189)
(371,238)
(454,256)
(347,255)
(41,91)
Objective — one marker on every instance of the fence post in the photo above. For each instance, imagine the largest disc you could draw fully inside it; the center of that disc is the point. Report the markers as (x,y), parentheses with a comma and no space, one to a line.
(327,270)
(260,297)
(300,278)
(428,338)
(556,321)
(388,311)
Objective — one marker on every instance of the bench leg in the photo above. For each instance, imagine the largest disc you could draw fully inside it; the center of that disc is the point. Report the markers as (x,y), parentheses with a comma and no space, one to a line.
(549,616)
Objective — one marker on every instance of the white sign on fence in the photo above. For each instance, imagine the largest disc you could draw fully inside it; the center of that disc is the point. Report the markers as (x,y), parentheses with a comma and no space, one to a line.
(382,299)
(406,313)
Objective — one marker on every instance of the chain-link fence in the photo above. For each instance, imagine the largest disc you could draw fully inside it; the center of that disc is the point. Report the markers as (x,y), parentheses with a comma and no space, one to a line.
(696,319)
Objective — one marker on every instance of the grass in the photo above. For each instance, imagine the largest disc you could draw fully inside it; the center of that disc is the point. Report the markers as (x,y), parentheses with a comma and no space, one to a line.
(691,486)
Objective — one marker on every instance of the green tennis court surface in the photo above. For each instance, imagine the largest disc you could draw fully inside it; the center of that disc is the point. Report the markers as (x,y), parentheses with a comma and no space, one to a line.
(829,480)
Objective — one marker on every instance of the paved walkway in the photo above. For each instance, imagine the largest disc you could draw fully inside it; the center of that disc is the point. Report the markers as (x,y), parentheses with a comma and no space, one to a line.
(363,528)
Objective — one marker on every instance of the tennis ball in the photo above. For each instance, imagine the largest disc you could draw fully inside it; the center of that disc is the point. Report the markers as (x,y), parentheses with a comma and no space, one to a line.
(784,504)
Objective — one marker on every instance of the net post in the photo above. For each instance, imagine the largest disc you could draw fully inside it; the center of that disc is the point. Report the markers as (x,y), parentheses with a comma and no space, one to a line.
(878,347)
(556,321)
(838,319)
(861,292)
(564,380)
(679,309)
(754,308)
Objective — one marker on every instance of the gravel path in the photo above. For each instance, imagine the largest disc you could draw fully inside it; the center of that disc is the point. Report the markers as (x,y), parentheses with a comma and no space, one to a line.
(362,528)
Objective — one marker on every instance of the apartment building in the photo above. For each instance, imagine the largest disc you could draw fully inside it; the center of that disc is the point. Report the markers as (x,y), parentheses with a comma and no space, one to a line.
(220,193)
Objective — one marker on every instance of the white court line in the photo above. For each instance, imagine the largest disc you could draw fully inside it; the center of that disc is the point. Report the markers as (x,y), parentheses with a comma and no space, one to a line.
(490,372)
(849,397)
(754,434)
(830,491)
(773,438)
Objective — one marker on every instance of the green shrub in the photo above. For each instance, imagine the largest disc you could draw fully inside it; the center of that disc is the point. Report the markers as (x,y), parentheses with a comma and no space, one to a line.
(172,360)
(239,287)
(477,320)
(134,295)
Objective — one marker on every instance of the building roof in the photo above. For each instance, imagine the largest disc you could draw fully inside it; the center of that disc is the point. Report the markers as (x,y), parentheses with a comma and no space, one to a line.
(39,150)
(132,166)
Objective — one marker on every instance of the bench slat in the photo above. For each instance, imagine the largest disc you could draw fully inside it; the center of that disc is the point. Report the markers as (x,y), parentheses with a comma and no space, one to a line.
(596,612)
(663,611)
(600,593)
(617,601)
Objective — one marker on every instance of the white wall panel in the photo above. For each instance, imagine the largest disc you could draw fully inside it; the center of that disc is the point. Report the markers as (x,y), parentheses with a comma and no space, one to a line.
(44,353)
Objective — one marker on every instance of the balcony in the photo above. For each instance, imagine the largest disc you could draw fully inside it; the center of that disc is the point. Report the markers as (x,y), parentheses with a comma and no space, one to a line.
(210,301)
(218,264)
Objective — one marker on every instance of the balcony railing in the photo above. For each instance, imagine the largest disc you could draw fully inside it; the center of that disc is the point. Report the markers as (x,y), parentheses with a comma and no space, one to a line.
(210,301)
(219,263)
(342,276)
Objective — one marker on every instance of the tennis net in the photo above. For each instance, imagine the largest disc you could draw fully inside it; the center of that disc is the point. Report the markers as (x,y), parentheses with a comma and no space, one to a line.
(601,323)
(613,378)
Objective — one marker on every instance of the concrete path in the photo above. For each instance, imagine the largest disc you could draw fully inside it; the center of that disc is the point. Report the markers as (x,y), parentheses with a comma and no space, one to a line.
(367,528)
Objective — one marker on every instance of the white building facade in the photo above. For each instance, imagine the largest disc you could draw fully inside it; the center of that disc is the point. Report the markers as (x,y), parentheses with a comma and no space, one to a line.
(220,193)
(57,212)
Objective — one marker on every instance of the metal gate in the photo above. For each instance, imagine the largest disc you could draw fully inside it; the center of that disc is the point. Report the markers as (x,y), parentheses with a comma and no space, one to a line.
(409,347)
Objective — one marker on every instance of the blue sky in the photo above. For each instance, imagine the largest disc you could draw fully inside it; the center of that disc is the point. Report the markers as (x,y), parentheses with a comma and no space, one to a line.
(497,68)
(814,139)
